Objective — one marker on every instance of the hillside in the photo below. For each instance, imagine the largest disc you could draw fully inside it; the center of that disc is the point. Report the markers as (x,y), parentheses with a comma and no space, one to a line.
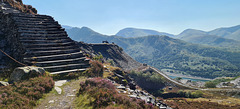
(172,55)
(134,32)
(227,32)
(202,37)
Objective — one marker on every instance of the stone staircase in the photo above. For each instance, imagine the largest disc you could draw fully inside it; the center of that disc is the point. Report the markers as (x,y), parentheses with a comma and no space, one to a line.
(47,44)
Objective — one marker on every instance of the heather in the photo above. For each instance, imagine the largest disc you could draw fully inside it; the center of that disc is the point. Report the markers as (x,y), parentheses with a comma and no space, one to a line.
(23,95)
(96,69)
(101,93)
(18,4)
(181,103)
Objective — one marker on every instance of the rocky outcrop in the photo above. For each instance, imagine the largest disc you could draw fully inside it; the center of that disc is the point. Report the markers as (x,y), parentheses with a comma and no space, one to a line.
(9,42)
(23,73)
(111,52)
(18,5)
(230,84)
(125,84)
(2,83)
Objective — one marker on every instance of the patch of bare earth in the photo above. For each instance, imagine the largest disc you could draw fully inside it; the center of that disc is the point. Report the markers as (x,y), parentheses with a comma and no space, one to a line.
(65,100)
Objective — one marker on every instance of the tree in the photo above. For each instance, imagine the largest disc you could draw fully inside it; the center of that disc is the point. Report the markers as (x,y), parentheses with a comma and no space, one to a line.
(210,85)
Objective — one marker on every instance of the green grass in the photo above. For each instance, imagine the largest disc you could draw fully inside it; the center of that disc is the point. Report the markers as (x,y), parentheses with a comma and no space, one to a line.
(84,101)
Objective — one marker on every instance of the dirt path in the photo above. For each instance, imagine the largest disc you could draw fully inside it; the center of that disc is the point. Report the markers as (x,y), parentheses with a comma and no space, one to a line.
(171,80)
(63,101)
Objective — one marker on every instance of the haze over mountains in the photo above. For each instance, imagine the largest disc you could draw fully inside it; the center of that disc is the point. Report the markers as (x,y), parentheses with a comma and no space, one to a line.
(228,38)
(221,37)
(135,32)
(227,32)
(169,54)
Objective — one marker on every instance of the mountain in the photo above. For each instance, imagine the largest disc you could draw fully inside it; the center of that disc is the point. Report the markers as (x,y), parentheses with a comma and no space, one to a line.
(205,38)
(188,33)
(85,34)
(134,32)
(168,54)
(228,32)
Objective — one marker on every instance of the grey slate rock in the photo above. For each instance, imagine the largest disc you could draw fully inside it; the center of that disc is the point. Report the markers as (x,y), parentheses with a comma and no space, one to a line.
(23,73)
(2,83)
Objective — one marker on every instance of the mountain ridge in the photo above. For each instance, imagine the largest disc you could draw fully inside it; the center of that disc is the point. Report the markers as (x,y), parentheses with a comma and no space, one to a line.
(173,55)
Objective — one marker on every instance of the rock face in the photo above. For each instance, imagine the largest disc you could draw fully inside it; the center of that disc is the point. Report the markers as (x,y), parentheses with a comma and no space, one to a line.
(18,5)
(22,73)
(111,52)
(231,84)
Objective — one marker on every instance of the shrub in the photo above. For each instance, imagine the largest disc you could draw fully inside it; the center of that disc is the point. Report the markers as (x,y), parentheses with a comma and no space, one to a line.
(103,95)
(98,57)
(188,94)
(149,81)
(210,84)
(181,103)
(96,69)
(24,94)
(197,94)
(111,62)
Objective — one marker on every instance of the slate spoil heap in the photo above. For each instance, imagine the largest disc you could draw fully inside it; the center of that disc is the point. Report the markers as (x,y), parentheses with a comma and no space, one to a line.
(45,43)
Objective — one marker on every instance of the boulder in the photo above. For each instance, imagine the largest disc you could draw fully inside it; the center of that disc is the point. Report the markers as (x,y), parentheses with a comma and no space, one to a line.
(121,87)
(23,73)
(2,83)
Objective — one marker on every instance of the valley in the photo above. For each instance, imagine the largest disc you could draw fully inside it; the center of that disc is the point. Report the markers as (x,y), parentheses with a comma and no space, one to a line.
(169,54)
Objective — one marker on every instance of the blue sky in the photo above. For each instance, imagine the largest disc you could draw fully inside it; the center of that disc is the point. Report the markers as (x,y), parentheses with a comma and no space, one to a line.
(171,16)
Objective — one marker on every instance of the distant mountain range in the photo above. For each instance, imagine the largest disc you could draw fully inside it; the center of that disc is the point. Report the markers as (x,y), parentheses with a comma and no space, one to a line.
(169,54)
(228,38)
(222,37)
(134,32)
(228,32)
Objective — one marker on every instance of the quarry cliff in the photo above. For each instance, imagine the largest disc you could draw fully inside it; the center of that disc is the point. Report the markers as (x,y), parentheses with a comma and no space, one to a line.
(110,52)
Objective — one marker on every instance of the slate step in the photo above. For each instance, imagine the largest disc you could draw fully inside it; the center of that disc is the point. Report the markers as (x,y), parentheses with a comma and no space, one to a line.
(66,67)
(41,29)
(54,48)
(43,35)
(68,71)
(46,27)
(48,45)
(40,37)
(29,41)
(38,26)
(35,23)
(50,52)
(18,19)
(42,32)
(59,62)
(55,57)
(24,15)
